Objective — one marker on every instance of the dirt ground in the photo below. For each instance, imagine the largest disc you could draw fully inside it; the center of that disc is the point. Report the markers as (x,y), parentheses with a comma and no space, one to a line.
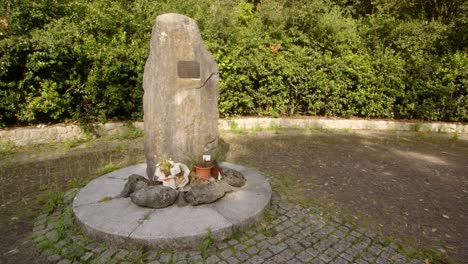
(412,186)
(27,174)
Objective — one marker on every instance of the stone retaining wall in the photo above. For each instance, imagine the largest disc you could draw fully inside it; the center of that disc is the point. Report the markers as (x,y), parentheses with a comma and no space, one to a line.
(353,124)
(45,134)
(59,133)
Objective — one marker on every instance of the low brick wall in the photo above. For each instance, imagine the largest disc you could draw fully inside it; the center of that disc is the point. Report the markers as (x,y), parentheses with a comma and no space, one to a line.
(60,133)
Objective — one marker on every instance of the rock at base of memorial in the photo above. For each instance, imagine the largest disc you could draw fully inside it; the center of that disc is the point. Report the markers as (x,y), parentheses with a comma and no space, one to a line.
(155,196)
(134,183)
(207,193)
(233,178)
(181,199)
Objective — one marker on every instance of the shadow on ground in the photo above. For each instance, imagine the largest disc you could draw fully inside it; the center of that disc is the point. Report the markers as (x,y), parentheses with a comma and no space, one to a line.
(412,186)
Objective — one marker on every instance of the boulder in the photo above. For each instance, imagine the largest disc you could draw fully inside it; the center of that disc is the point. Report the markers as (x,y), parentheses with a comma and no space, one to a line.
(135,182)
(181,86)
(207,193)
(155,196)
(233,178)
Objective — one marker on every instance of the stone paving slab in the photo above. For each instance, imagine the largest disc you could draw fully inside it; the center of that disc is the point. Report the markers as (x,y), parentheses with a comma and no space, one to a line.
(184,227)
(104,216)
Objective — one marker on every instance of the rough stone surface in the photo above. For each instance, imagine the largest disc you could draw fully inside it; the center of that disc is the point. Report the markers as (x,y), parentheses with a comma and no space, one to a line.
(207,193)
(181,93)
(233,178)
(135,182)
(155,196)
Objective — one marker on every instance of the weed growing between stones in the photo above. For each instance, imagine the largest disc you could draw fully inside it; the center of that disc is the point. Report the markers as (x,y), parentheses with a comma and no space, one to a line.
(208,242)
(416,127)
(236,234)
(51,200)
(6,147)
(105,199)
(275,127)
(77,183)
(454,138)
(235,128)
(110,167)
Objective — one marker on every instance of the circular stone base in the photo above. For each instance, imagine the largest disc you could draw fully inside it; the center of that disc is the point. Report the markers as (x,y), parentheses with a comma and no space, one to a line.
(102,216)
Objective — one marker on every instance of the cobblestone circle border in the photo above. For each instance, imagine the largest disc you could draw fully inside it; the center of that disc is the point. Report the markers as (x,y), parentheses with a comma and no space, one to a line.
(289,233)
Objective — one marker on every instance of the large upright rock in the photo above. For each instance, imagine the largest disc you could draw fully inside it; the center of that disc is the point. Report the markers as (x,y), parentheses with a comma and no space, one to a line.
(181,93)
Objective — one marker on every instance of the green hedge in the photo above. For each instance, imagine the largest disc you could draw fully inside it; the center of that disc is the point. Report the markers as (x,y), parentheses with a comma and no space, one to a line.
(80,60)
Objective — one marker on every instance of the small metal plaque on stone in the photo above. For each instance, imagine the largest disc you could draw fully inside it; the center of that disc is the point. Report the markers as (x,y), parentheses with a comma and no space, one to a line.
(188,69)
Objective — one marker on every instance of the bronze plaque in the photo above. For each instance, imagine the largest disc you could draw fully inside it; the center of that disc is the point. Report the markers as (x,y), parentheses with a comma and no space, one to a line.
(188,69)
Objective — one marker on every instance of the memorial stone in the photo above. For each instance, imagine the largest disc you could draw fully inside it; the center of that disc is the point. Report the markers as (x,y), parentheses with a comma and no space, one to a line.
(181,88)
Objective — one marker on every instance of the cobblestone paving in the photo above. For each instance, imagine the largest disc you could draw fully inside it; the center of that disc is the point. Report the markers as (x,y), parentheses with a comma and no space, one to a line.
(289,234)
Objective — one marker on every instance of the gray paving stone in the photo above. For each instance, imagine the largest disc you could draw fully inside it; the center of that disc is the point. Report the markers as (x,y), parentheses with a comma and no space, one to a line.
(122,254)
(165,257)
(260,237)
(305,243)
(312,251)
(152,255)
(331,252)
(326,258)
(368,256)
(53,258)
(347,256)
(317,261)
(222,245)
(250,242)
(250,233)
(252,250)
(278,259)
(239,247)
(312,239)
(232,260)
(296,247)
(87,257)
(360,261)
(106,255)
(225,254)
(290,241)
(97,249)
(263,244)
(232,242)
(375,250)
(52,235)
(265,253)
(242,256)
(278,248)
(288,254)
(304,256)
(212,259)
(255,260)
(340,260)
(323,245)
(194,257)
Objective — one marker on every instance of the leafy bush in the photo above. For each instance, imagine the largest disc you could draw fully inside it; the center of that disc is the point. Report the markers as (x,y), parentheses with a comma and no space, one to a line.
(83,61)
